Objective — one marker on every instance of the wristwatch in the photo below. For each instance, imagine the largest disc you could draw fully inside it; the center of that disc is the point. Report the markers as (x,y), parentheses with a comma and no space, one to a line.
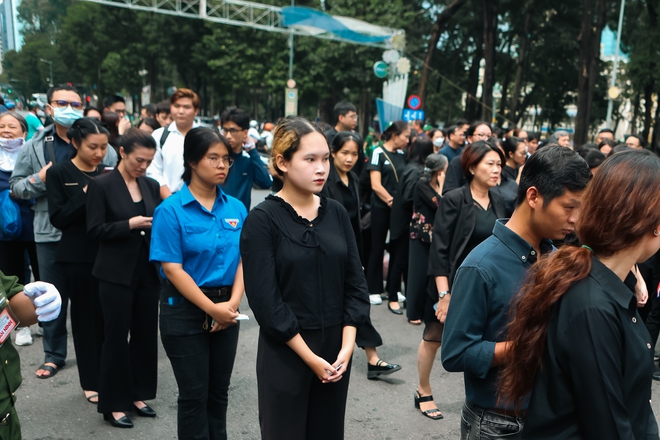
(443,294)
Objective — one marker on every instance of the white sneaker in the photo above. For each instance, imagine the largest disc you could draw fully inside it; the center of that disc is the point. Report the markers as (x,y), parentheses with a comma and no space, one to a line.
(24,336)
(400,297)
(375,299)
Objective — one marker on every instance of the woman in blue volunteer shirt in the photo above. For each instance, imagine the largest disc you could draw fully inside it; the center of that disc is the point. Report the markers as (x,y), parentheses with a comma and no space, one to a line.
(196,235)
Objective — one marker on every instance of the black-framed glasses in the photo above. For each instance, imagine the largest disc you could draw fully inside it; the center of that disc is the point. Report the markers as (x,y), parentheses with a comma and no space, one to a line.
(215,161)
(231,131)
(61,104)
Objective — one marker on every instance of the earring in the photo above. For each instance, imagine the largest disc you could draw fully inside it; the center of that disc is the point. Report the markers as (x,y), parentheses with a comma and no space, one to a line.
(656,233)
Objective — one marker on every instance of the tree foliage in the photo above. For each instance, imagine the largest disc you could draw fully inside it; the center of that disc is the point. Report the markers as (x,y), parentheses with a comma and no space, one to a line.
(528,50)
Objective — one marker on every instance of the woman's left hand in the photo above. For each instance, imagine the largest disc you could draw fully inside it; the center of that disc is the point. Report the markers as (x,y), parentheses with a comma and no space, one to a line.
(341,364)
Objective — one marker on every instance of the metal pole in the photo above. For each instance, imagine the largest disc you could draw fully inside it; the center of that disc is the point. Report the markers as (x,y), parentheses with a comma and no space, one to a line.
(291,49)
(610,104)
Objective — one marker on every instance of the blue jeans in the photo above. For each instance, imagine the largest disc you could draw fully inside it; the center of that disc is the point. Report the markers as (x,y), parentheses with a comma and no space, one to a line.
(55,333)
(481,424)
(202,364)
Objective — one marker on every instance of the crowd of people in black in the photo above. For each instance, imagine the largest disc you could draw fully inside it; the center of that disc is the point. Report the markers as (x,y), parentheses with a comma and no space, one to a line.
(529,265)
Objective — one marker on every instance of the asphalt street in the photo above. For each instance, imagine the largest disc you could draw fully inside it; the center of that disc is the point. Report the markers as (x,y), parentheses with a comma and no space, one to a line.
(55,408)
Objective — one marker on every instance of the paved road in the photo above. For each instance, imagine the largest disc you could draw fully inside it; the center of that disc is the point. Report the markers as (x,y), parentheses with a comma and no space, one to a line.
(56,409)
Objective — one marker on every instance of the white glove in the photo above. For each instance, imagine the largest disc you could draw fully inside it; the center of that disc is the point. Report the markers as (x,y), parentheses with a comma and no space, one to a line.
(45,298)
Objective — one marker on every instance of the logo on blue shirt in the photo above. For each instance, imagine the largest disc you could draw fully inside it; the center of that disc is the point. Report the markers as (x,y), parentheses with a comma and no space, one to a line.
(233,222)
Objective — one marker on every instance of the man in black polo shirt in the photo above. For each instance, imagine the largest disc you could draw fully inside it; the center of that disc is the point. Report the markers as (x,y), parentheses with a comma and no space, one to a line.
(549,195)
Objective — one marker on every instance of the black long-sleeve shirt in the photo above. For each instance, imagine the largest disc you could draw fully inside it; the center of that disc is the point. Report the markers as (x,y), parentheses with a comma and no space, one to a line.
(301,274)
(595,381)
(67,207)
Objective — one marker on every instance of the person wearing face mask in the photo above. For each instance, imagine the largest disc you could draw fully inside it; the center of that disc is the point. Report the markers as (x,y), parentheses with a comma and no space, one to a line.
(437,136)
(67,199)
(13,129)
(28,181)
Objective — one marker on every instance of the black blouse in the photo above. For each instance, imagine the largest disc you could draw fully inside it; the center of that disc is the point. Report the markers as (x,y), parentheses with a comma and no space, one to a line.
(67,208)
(301,274)
(595,380)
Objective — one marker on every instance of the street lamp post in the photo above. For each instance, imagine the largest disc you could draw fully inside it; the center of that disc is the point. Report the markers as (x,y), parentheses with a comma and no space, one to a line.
(610,103)
(50,63)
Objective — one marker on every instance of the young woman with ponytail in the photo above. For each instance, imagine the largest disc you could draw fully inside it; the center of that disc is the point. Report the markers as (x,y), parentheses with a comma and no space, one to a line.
(577,342)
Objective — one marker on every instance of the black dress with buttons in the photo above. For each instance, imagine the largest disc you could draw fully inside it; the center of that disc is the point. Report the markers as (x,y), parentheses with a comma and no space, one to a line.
(595,380)
(301,277)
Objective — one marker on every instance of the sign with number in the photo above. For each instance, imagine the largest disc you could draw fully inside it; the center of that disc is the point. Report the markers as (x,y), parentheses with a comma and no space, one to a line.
(414,102)
(411,115)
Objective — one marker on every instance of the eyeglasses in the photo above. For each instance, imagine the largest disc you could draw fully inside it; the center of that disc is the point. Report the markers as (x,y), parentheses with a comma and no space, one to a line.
(481,135)
(74,104)
(215,161)
(231,131)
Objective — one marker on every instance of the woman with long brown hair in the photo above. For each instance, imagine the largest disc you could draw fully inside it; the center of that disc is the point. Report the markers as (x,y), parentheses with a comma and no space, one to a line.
(577,342)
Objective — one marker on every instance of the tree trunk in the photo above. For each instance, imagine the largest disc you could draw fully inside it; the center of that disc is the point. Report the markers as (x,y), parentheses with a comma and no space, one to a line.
(635,118)
(520,62)
(593,20)
(648,107)
(441,20)
(471,103)
(490,35)
(656,131)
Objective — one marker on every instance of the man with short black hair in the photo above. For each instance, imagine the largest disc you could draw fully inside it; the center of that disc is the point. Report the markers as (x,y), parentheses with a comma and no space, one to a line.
(248,168)
(474,338)
(346,119)
(636,142)
(456,140)
(148,111)
(603,134)
(163,115)
(167,166)
(117,104)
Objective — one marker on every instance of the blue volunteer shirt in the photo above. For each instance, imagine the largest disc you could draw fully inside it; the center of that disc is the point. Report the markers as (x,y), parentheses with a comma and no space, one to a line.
(490,276)
(450,153)
(205,243)
(248,169)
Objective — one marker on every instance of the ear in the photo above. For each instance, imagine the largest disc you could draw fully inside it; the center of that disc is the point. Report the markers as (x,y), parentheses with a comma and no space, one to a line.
(121,152)
(533,197)
(281,163)
(49,109)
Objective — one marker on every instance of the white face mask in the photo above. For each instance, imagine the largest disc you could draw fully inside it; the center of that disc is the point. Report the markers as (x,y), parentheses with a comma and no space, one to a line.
(438,142)
(9,152)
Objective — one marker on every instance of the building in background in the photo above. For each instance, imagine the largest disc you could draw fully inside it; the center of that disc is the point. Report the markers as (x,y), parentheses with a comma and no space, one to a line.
(12,39)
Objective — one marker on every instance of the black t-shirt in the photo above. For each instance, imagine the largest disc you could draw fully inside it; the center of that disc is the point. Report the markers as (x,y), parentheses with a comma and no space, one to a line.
(483,228)
(380,161)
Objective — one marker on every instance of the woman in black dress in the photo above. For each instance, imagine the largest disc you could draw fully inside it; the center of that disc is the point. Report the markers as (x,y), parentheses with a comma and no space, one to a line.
(306,287)
(67,206)
(428,193)
(465,218)
(343,186)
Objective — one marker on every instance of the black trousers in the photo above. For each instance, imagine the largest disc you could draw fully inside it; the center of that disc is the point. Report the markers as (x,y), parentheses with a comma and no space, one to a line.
(293,403)
(86,321)
(418,261)
(13,261)
(202,364)
(380,224)
(399,250)
(129,368)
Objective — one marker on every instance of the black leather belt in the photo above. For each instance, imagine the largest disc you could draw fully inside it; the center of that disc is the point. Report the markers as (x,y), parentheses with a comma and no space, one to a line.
(216,291)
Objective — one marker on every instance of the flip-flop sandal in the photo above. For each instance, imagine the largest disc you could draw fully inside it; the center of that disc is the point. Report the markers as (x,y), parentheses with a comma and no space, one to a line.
(91,396)
(51,370)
